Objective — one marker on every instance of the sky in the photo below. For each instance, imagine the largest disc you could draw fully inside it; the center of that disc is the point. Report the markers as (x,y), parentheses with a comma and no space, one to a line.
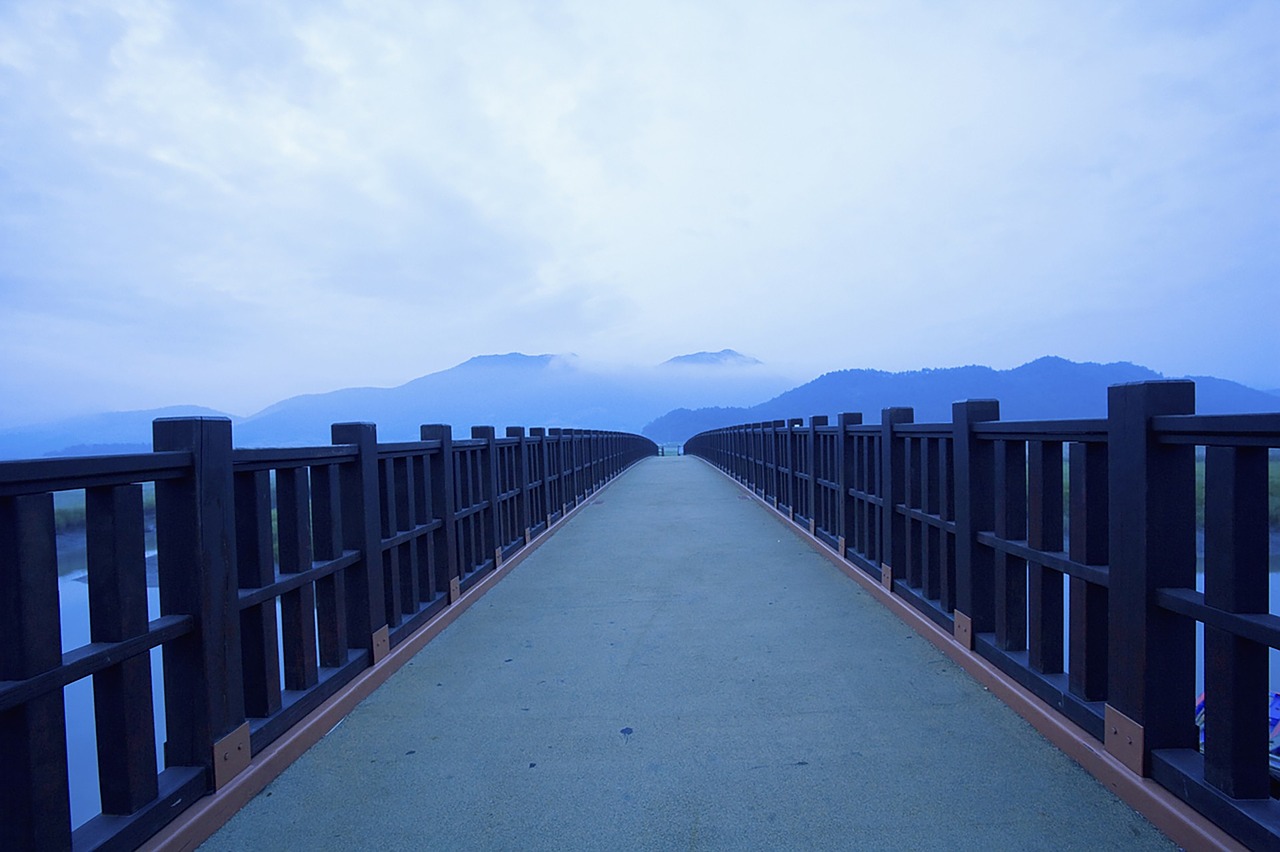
(230,203)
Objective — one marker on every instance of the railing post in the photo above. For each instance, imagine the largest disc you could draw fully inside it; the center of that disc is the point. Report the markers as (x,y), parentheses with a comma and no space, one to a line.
(975,512)
(489,484)
(893,530)
(362,531)
(35,810)
(448,573)
(844,463)
(196,558)
(1152,500)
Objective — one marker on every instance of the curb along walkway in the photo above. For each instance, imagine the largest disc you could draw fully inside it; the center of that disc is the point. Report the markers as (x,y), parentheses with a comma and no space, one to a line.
(675,669)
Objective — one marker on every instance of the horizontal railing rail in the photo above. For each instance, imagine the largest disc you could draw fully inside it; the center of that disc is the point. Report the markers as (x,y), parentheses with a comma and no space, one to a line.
(277,577)
(1064,553)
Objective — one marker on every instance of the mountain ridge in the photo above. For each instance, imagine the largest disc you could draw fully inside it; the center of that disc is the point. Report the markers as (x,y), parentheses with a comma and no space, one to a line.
(666,402)
(1049,387)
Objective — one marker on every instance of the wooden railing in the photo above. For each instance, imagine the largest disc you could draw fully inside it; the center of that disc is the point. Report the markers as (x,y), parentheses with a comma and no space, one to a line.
(282,575)
(1084,591)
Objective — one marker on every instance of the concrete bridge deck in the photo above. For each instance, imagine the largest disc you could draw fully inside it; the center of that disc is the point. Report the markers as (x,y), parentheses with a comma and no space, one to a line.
(675,669)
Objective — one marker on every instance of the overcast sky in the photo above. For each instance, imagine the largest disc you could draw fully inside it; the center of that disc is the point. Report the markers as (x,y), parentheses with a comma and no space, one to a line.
(228,203)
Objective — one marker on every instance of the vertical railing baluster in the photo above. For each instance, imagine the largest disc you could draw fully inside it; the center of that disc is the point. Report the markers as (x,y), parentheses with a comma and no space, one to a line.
(331,592)
(524,502)
(122,700)
(406,509)
(390,559)
(35,808)
(444,541)
(423,554)
(297,606)
(930,535)
(1044,532)
(813,463)
(947,512)
(489,536)
(256,566)
(1235,580)
(1089,544)
(846,459)
(1010,525)
(913,557)
(541,508)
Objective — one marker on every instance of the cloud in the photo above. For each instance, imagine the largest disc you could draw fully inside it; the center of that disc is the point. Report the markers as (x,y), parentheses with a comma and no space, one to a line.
(359,194)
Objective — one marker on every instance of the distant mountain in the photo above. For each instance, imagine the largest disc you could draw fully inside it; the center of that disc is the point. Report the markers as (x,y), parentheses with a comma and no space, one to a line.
(698,391)
(496,390)
(93,434)
(723,358)
(521,390)
(1047,388)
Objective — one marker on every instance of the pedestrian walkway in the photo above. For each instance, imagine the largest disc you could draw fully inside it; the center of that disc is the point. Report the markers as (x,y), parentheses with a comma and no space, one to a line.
(675,669)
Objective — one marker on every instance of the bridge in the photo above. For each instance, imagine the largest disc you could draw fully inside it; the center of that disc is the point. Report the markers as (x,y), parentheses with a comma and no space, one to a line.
(673,666)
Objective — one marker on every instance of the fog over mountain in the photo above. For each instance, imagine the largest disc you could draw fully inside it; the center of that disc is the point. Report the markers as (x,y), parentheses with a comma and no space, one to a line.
(676,399)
